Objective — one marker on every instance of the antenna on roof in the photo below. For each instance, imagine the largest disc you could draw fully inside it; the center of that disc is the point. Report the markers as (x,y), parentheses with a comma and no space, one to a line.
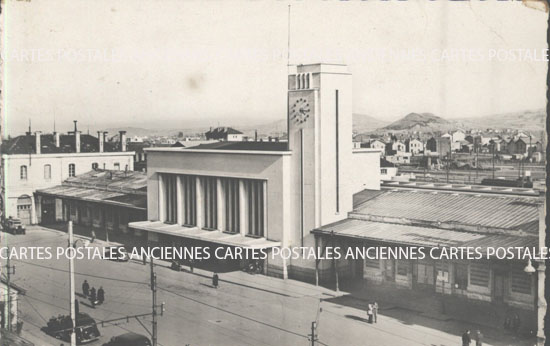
(30,126)
(54,121)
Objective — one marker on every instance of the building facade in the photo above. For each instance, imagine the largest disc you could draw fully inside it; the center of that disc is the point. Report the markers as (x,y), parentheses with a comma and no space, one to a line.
(266,194)
(37,161)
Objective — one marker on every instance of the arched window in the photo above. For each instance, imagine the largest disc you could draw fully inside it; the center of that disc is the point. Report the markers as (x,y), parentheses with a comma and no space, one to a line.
(95,166)
(23,172)
(72,170)
(47,172)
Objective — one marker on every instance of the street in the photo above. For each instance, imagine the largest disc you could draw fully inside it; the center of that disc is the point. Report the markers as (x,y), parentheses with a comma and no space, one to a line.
(255,311)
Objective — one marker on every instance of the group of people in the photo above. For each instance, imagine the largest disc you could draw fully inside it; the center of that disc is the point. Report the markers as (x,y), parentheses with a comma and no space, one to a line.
(96,298)
(372,312)
(467,339)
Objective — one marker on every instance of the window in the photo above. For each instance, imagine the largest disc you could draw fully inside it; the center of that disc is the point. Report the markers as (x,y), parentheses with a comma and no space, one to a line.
(170,199)
(117,166)
(189,196)
(231,193)
(256,204)
(384,171)
(479,274)
(95,166)
(461,276)
(23,172)
(372,263)
(47,172)
(521,281)
(71,170)
(402,267)
(210,205)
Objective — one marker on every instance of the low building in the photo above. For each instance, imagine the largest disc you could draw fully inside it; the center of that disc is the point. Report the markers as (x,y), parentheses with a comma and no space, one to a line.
(440,217)
(103,199)
(37,161)
(224,134)
(414,146)
(388,170)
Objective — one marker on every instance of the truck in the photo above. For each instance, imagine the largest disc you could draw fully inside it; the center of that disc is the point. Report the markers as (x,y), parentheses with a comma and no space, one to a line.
(86,328)
(13,226)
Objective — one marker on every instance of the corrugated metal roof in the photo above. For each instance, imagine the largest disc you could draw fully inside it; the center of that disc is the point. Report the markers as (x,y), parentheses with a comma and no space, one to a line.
(421,236)
(93,195)
(503,212)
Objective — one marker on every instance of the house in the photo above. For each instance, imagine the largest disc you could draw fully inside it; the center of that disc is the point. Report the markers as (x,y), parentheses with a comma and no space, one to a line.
(399,158)
(431,144)
(106,200)
(265,195)
(377,144)
(37,161)
(388,170)
(408,216)
(414,146)
(517,147)
(458,136)
(443,146)
(224,134)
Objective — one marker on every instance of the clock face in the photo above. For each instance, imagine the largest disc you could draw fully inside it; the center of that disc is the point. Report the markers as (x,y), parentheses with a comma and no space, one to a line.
(299,111)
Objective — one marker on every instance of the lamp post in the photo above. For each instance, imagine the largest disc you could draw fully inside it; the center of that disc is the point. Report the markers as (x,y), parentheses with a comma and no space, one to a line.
(72,246)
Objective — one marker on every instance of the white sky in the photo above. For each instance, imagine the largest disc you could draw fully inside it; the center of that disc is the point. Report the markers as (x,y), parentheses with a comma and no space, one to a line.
(199,63)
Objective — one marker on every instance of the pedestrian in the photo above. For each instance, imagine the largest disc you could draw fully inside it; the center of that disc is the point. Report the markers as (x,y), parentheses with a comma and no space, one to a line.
(85,288)
(93,297)
(93,236)
(375,311)
(191,264)
(369,313)
(466,340)
(100,295)
(144,258)
(515,323)
(215,280)
(479,338)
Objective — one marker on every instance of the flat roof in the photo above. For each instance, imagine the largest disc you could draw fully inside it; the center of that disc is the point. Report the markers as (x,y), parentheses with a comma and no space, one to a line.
(227,147)
(121,199)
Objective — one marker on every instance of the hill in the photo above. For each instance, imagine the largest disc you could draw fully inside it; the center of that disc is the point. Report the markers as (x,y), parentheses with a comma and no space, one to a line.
(363,123)
(419,121)
(531,120)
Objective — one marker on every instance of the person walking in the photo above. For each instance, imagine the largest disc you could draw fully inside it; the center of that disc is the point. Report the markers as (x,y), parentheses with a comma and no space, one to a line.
(215,280)
(93,236)
(85,288)
(100,295)
(375,311)
(466,340)
(369,313)
(93,297)
(479,338)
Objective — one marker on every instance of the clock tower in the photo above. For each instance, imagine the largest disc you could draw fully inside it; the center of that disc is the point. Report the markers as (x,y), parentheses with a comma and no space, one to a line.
(320,138)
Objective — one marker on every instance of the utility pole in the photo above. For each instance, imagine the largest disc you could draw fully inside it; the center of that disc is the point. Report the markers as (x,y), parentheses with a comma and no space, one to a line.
(493,160)
(9,270)
(154,292)
(313,333)
(71,284)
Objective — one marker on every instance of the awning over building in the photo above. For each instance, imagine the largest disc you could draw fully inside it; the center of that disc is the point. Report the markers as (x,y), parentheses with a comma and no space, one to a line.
(406,235)
(204,235)
(97,195)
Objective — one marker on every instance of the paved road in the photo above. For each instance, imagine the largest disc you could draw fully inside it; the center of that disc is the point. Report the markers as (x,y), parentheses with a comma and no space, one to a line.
(196,313)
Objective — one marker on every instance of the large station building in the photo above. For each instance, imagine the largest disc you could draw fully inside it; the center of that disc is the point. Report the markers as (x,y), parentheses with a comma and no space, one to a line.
(266,194)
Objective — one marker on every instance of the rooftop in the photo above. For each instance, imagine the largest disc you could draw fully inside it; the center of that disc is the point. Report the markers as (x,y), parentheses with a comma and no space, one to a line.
(25,144)
(258,146)
(460,210)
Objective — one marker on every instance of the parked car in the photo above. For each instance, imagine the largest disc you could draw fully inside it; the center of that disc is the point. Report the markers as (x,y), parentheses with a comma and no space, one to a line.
(116,253)
(129,339)
(86,328)
(13,226)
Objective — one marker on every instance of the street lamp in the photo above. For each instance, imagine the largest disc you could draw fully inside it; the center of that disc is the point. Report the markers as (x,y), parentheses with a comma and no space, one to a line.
(73,244)
(529,269)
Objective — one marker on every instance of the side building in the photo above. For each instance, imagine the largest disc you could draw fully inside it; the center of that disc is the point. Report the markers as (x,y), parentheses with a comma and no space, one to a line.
(37,161)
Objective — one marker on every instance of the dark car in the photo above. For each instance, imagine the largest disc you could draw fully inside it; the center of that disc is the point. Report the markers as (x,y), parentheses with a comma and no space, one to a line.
(116,253)
(129,339)
(13,226)
(86,328)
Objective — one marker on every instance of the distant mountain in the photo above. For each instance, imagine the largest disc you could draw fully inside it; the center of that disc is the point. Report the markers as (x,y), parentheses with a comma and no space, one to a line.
(365,123)
(532,120)
(419,121)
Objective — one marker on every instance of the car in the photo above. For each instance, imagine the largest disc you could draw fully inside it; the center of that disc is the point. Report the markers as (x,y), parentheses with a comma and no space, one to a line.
(13,226)
(116,253)
(86,328)
(129,339)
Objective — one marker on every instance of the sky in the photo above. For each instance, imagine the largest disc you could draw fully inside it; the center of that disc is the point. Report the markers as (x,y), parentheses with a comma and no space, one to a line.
(182,64)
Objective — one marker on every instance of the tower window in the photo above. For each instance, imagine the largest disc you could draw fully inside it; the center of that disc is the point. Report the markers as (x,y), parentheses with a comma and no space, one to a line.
(72,170)
(23,172)
(47,172)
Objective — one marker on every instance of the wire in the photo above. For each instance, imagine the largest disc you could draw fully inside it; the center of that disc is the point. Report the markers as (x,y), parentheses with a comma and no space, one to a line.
(83,274)
(35,310)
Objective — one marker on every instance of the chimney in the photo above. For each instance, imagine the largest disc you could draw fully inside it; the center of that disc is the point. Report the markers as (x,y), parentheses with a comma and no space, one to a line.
(122,140)
(56,139)
(255,135)
(37,143)
(77,141)
(101,139)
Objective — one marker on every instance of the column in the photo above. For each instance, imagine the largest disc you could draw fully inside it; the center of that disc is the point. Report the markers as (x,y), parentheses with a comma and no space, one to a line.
(161,201)
(243,208)
(220,201)
(33,211)
(38,209)
(264,204)
(199,202)
(179,200)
